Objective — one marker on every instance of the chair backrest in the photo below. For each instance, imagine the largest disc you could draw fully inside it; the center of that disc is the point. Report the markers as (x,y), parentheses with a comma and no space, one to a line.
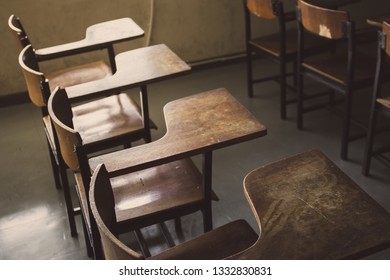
(386,32)
(102,205)
(60,112)
(261,8)
(323,22)
(34,79)
(18,32)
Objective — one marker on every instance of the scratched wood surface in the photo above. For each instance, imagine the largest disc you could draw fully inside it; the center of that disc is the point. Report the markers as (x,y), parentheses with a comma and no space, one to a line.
(97,36)
(134,68)
(195,124)
(307,208)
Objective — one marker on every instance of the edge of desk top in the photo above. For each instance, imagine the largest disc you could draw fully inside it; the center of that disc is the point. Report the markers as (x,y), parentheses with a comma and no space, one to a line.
(195,124)
(307,208)
(97,36)
(134,68)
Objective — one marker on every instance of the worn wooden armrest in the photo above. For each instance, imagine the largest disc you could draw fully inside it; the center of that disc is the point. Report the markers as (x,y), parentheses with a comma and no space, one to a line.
(98,36)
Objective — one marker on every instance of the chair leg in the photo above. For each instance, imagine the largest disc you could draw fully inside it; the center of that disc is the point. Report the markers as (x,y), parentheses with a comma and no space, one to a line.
(300,101)
(178,226)
(54,167)
(346,128)
(97,247)
(111,56)
(68,199)
(166,234)
(207,185)
(249,72)
(295,74)
(368,150)
(88,245)
(283,90)
(142,243)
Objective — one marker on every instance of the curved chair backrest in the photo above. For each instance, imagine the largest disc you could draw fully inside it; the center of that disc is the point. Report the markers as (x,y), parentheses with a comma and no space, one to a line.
(386,31)
(261,8)
(18,32)
(323,22)
(102,205)
(34,79)
(61,114)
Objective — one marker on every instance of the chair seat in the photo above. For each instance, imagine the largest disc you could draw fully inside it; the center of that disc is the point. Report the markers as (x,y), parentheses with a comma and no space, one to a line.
(219,243)
(78,74)
(271,44)
(150,192)
(334,68)
(160,189)
(107,118)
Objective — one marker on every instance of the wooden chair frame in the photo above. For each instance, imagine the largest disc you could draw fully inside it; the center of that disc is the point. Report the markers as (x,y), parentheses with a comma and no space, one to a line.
(220,243)
(335,26)
(75,154)
(379,102)
(39,92)
(279,48)
(275,11)
(60,51)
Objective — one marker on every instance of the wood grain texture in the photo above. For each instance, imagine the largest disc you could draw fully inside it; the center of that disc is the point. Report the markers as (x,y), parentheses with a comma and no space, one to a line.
(134,68)
(307,208)
(323,22)
(196,124)
(97,36)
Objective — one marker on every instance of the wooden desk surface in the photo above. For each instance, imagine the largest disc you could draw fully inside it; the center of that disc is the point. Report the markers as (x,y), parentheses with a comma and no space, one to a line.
(97,36)
(307,208)
(134,68)
(195,124)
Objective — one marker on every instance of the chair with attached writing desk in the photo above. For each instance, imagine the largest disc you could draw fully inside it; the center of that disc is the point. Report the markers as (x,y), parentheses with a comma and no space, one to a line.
(219,243)
(196,126)
(39,90)
(177,186)
(308,209)
(99,36)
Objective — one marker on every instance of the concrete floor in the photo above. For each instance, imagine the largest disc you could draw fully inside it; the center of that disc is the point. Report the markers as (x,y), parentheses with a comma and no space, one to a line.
(33,222)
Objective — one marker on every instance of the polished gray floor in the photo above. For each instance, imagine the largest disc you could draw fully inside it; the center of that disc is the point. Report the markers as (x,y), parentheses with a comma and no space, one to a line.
(33,222)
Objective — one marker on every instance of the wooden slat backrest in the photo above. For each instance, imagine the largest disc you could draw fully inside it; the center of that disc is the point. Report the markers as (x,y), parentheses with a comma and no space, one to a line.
(386,31)
(102,206)
(61,114)
(261,8)
(323,22)
(32,76)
